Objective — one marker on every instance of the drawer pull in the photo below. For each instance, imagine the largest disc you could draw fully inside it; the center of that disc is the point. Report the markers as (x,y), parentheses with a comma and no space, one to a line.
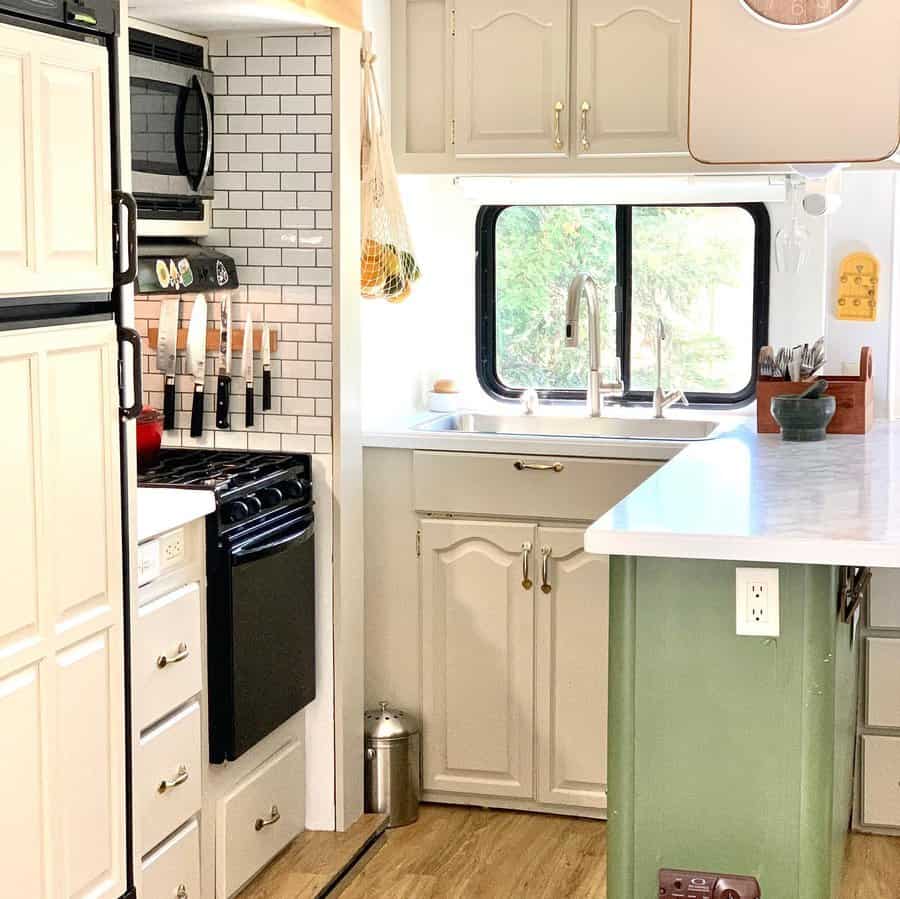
(182,892)
(176,781)
(521,465)
(526,566)
(262,823)
(546,552)
(181,653)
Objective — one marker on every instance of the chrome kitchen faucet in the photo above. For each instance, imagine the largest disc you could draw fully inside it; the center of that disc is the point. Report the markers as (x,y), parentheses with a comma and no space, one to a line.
(584,285)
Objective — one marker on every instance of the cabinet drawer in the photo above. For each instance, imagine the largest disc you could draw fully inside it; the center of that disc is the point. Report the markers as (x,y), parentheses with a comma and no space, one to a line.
(167,669)
(481,484)
(168,774)
(173,870)
(245,838)
(882,677)
(881,781)
(884,601)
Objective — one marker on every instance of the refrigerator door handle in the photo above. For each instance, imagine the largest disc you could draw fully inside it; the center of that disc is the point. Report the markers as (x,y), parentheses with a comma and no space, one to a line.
(122,200)
(128,413)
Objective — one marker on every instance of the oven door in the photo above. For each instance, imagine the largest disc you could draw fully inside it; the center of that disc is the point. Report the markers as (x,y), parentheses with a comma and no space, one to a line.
(171,130)
(261,642)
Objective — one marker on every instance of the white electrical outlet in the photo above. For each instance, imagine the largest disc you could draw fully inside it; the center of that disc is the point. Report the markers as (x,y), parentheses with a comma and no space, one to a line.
(757,607)
(172,548)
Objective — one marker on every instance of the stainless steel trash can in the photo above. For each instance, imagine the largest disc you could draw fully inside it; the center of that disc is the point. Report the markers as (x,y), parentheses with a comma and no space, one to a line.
(392,765)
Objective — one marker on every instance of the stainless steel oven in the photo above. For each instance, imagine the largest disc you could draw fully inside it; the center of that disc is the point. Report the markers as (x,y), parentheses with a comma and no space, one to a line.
(172,134)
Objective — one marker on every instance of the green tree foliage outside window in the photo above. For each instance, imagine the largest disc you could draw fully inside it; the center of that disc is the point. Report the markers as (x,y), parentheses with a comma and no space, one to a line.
(692,266)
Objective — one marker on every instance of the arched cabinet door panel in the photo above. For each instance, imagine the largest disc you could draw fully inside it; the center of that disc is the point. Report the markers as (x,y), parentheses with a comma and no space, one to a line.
(773,81)
(511,64)
(478,657)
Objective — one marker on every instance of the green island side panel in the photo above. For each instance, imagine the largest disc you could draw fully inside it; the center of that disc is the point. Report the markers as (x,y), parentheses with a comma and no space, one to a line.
(727,754)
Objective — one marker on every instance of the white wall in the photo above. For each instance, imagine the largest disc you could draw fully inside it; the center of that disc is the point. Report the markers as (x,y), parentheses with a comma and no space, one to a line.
(432,334)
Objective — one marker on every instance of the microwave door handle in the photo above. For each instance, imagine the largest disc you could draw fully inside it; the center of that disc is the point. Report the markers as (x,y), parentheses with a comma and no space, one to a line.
(208,150)
(253,552)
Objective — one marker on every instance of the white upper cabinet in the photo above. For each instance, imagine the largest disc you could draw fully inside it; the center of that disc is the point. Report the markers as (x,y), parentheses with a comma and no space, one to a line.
(794,81)
(511,77)
(631,76)
(56,230)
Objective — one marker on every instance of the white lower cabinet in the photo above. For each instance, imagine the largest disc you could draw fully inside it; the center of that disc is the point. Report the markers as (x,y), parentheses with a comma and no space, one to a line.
(881,781)
(571,670)
(168,775)
(259,818)
(173,870)
(514,662)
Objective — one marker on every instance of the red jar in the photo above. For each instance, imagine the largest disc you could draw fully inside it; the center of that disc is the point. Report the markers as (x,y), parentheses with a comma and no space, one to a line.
(149,437)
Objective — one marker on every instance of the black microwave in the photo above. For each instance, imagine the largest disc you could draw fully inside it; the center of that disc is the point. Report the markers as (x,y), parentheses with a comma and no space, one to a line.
(172,132)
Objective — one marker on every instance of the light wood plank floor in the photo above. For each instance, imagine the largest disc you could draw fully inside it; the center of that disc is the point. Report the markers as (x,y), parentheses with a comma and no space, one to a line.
(462,853)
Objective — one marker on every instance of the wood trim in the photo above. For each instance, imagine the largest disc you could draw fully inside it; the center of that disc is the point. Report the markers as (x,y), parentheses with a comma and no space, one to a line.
(213,338)
(341,13)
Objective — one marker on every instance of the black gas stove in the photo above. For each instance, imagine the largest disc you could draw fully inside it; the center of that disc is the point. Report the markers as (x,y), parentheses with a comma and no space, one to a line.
(261,588)
(247,486)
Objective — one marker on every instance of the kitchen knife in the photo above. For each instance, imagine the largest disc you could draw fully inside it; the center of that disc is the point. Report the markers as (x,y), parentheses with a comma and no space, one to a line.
(196,360)
(223,389)
(166,356)
(247,369)
(267,369)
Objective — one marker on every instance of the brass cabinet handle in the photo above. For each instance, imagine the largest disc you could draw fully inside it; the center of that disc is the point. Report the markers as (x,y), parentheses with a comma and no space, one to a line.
(546,552)
(558,107)
(182,892)
(262,823)
(585,137)
(527,583)
(176,781)
(522,465)
(181,653)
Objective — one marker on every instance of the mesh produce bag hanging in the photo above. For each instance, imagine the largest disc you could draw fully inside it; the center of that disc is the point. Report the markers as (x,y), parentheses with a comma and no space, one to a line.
(389,267)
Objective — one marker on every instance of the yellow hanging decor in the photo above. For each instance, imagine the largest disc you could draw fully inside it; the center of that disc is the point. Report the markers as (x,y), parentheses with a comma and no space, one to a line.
(857,295)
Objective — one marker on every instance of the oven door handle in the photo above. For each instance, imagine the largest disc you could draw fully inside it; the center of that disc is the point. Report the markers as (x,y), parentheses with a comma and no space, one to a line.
(252,552)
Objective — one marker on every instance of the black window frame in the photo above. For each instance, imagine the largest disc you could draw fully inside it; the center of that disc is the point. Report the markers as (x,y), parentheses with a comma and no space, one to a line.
(485,310)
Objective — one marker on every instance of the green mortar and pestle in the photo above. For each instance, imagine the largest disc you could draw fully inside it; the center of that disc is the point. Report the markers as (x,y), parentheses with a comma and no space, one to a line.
(804,418)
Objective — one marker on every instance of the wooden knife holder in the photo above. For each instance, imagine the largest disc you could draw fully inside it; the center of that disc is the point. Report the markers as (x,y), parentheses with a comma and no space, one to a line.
(212,339)
(855,396)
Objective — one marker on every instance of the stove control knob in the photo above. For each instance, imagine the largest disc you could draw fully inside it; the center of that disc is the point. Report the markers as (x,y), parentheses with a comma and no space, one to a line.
(270,497)
(295,488)
(236,511)
(253,503)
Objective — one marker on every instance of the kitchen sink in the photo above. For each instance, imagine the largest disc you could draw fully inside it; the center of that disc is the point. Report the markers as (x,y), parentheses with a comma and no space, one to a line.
(557,426)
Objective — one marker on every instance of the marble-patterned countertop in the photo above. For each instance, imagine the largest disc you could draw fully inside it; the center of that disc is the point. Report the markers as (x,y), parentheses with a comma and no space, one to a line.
(161,509)
(752,497)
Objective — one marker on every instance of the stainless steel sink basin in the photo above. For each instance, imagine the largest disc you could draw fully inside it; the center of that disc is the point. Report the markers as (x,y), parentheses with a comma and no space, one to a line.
(557,426)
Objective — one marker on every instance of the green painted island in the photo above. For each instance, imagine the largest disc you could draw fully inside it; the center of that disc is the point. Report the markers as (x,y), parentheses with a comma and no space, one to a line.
(728,753)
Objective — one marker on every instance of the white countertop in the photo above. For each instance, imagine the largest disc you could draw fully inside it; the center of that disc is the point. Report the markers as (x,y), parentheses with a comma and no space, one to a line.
(161,509)
(752,497)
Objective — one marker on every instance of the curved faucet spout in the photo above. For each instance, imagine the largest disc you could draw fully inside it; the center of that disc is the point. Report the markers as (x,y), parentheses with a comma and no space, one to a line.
(584,286)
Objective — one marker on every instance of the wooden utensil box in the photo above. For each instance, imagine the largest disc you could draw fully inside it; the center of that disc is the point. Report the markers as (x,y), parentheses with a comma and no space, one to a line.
(855,396)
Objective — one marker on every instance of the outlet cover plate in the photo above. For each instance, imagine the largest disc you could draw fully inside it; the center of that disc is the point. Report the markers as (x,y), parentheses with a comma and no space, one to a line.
(757,606)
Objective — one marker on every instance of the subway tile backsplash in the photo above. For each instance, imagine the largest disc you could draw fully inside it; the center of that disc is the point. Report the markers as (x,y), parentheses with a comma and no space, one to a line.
(272,213)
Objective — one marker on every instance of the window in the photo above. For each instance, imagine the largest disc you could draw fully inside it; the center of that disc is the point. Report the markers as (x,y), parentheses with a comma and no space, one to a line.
(703,270)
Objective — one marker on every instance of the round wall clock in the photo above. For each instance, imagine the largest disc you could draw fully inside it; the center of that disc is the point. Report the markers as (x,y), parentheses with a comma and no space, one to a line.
(796,12)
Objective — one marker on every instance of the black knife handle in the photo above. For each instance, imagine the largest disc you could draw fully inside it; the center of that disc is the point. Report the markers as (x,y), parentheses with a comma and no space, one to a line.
(248,413)
(223,396)
(169,405)
(197,411)
(267,389)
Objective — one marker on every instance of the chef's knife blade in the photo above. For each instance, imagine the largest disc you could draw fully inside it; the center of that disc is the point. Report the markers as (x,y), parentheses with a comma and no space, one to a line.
(267,369)
(196,360)
(223,389)
(166,356)
(247,369)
